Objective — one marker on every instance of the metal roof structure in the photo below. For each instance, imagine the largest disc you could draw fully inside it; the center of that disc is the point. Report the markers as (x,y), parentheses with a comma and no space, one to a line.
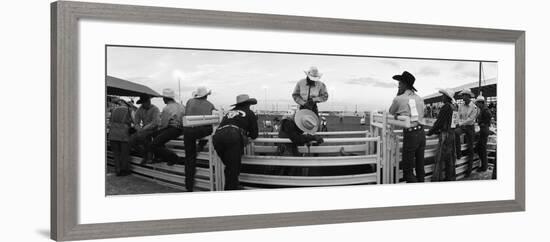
(120,87)
(488,88)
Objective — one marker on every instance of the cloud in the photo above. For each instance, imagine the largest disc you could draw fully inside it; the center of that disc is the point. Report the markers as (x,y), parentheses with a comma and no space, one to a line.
(370,81)
(391,63)
(428,71)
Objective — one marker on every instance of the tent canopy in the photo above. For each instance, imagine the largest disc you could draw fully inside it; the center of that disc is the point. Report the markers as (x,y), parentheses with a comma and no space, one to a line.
(120,87)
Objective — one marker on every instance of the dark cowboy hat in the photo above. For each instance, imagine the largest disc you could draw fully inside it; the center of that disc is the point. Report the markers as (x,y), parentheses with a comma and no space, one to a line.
(143,98)
(245,99)
(406,78)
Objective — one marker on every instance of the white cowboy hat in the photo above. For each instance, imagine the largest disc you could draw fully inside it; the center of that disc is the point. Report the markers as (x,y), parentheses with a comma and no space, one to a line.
(480,99)
(244,98)
(313,74)
(168,93)
(307,121)
(448,93)
(467,91)
(201,92)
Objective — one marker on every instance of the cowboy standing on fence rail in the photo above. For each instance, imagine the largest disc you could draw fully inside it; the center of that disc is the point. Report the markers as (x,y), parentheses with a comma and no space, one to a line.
(444,127)
(310,91)
(467,113)
(230,138)
(198,105)
(408,103)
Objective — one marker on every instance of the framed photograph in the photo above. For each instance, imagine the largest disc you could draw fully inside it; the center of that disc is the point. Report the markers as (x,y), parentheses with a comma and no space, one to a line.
(168,120)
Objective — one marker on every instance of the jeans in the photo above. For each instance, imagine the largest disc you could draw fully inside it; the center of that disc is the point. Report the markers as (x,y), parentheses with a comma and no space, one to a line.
(229,145)
(414,143)
(482,146)
(468,130)
(445,157)
(141,142)
(190,137)
(160,139)
(121,153)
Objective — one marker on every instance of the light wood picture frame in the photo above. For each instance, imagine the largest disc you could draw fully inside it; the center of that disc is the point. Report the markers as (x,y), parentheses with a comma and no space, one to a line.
(65,130)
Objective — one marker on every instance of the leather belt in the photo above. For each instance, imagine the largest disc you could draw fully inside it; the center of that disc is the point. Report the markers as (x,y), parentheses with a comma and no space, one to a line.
(229,126)
(418,127)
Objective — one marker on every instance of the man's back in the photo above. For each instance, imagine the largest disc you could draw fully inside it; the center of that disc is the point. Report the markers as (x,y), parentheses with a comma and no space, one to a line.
(195,106)
(401,105)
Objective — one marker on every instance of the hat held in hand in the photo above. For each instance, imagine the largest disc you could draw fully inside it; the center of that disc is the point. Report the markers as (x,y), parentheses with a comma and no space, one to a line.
(307,121)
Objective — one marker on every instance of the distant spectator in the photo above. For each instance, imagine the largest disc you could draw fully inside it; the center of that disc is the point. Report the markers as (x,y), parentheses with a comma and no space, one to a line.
(324,126)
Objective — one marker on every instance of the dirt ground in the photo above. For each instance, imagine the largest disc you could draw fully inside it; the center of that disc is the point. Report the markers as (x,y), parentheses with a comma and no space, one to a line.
(132,184)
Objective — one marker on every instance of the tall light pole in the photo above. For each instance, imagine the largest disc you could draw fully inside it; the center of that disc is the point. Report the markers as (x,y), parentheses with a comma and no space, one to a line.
(265,97)
(178,75)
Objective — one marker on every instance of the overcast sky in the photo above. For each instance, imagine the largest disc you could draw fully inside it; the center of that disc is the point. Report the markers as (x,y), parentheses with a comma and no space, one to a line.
(365,82)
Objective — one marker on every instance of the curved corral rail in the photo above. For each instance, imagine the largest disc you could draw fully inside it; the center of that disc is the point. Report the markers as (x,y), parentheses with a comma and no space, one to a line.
(369,157)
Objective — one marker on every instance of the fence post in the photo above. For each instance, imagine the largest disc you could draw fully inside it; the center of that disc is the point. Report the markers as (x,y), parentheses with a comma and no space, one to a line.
(211,163)
(378,160)
(383,148)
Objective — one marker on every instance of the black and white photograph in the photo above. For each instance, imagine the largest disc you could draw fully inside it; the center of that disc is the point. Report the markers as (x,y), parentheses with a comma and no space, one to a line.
(193,120)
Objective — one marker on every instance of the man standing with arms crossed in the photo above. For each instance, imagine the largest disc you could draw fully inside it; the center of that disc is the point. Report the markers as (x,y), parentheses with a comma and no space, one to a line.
(467,113)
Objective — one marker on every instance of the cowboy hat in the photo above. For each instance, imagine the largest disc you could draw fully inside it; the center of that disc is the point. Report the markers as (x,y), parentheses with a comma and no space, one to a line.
(480,99)
(143,99)
(313,73)
(201,92)
(307,121)
(244,98)
(406,78)
(168,93)
(448,93)
(467,91)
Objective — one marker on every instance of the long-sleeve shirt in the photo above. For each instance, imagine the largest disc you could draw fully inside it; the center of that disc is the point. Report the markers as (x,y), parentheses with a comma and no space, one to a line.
(317,91)
(147,119)
(172,114)
(484,117)
(400,106)
(444,119)
(120,123)
(467,114)
(243,118)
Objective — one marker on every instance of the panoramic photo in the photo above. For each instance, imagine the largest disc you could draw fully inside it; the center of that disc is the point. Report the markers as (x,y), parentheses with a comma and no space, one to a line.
(195,120)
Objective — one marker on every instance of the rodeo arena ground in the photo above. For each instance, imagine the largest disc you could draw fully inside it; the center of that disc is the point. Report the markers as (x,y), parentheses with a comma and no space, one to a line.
(328,148)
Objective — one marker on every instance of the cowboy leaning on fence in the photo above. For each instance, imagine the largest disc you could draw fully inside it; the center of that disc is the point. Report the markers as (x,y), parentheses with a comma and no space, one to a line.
(230,138)
(444,128)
